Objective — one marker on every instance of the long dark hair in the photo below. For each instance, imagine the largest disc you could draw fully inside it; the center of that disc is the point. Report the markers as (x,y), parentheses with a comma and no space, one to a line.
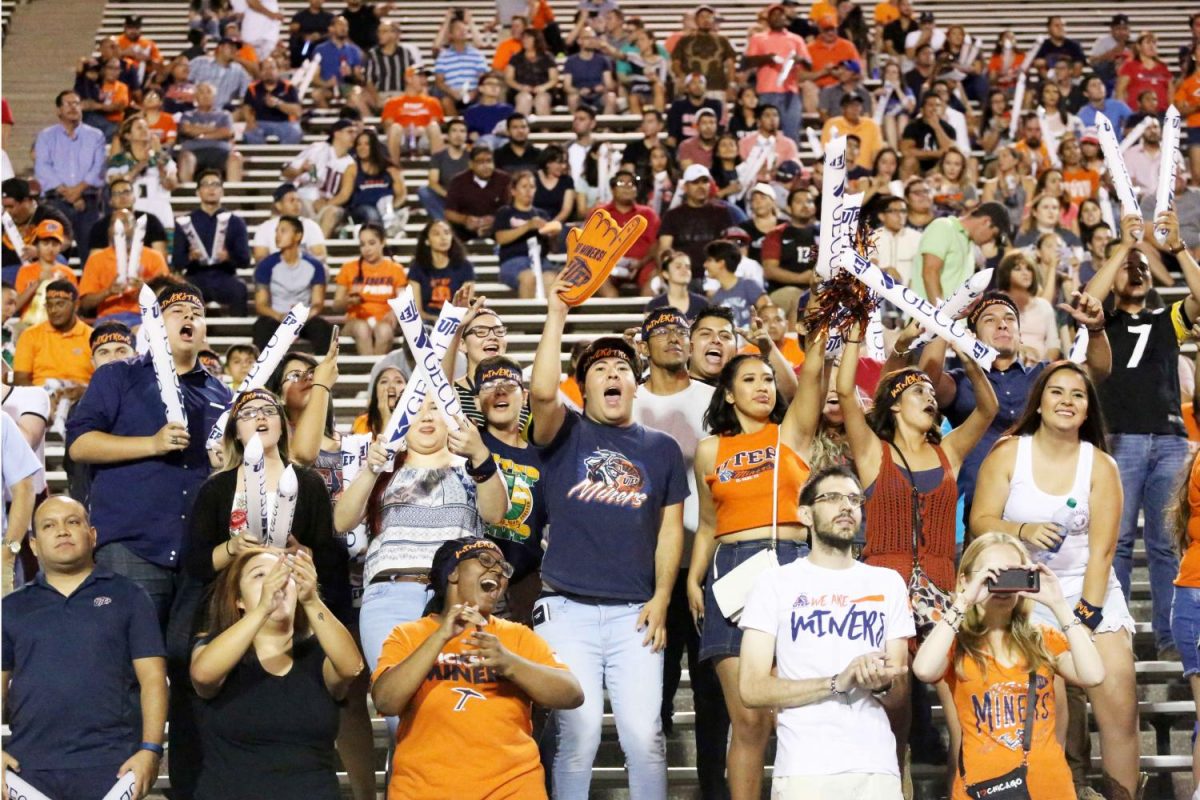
(1092,430)
(881,418)
(377,156)
(1179,511)
(424,254)
(222,612)
(721,419)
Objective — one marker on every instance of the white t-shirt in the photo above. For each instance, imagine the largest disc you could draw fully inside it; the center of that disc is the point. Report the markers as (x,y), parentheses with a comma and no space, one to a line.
(935,41)
(258,27)
(822,619)
(325,170)
(22,400)
(680,416)
(265,235)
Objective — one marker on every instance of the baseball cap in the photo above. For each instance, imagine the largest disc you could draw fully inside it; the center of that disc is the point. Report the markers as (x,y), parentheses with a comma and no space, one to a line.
(696,76)
(787,170)
(283,190)
(50,229)
(16,189)
(735,234)
(696,172)
(1119,19)
(926,16)
(826,22)
(707,8)
(133,21)
(1090,135)
(851,65)
(763,188)
(340,125)
(848,98)
(704,112)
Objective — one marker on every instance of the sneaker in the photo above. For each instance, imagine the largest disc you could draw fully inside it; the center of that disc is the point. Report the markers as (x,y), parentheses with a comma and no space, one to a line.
(1088,793)
(1168,653)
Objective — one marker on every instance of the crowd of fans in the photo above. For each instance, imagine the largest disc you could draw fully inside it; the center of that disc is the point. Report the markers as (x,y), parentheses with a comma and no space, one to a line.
(832,530)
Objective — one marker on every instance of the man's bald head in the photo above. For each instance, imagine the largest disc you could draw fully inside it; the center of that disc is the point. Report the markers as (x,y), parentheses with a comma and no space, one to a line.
(63,539)
(58,504)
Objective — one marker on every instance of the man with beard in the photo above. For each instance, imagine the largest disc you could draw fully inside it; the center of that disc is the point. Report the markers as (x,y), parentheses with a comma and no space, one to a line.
(839,665)
(683,114)
(1031,145)
(517,153)
(69,163)
(672,402)
(57,348)
(1142,160)
(637,265)
(707,53)
(615,492)
(695,222)
(699,149)
(996,321)
(789,253)
(1141,405)
(928,137)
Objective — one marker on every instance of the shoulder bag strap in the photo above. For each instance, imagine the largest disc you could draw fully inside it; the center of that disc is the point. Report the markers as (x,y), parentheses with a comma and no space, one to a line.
(775,490)
(918,534)
(1031,700)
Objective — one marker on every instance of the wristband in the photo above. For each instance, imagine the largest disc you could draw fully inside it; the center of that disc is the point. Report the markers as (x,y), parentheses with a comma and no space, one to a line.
(1021,530)
(1088,614)
(1098,329)
(484,471)
(323,386)
(157,749)
(833,689)
(1178,250)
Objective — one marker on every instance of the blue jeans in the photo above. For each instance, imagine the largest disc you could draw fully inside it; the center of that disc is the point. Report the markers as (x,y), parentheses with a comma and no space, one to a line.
(160,583)
(790,111)
(433,202)
(1149,465)
(384,606)
(603,649)
(1185,625)
(286,132)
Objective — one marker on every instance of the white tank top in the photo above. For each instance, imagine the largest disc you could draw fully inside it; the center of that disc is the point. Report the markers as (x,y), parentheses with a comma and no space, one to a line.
(1027,503)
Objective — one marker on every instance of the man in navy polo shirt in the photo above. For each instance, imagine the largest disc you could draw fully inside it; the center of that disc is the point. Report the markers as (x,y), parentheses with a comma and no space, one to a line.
(146,472)
(614,493)
(75,640)
(997,322)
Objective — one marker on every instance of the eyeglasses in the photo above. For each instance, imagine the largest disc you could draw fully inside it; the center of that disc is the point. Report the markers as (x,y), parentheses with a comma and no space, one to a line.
(297,375)
(494,386)
(255,412)
(490,561)
(855,500)
(483,331)
(670,330)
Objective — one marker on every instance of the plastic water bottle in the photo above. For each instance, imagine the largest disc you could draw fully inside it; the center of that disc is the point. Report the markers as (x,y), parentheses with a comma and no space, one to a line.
(1071,521)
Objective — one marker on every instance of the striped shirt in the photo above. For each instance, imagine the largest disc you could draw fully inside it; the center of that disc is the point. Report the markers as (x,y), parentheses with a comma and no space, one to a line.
(231,81)
(459,69)
(386,72)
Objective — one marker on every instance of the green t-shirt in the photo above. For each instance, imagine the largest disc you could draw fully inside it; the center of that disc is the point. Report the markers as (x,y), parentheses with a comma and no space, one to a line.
(947,239)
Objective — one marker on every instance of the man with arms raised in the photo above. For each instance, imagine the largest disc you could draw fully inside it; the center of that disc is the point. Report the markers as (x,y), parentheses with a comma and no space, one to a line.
(837,632)
(615,491)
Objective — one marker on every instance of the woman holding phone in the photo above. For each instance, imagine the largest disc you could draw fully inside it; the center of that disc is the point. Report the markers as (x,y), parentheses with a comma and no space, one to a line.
(1055,455)
(992,655)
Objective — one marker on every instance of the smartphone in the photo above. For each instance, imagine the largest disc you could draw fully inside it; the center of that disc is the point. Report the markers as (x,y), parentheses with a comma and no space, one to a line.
(1015,579)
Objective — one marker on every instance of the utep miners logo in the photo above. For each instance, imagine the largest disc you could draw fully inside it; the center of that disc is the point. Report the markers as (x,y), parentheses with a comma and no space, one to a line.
(746,464)
(408,312)
(465,695)
(611,479)
(577,273)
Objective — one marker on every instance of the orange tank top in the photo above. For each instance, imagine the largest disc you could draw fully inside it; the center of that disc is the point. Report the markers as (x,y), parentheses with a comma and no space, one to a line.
(742,482)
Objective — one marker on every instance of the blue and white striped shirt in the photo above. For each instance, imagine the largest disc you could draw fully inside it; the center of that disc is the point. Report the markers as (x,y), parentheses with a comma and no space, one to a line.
(459,68)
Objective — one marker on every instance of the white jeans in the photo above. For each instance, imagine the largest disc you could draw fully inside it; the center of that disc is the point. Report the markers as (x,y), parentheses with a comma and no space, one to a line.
(603,649)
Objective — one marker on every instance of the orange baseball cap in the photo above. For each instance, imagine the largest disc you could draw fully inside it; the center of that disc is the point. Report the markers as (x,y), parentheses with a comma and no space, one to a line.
(826,22)
(50,229)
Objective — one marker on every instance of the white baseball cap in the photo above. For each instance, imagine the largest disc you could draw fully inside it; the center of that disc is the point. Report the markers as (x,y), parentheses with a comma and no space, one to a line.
(695,172)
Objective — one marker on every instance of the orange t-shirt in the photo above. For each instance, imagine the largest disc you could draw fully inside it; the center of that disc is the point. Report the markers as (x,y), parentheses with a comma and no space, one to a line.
(165,128)
(30,274)
(115,92)
(46,353)
(101,270)
(571,389)
(743,481)
(1188,92)
(504,53)
(991,711)
(1039,159)
(145,45)
(377,283)
(462,709)
(790,349)
(413,109)
(361,425)
(1189,564)
(543,15)
(1189,422)
(1080,184)
(826,55)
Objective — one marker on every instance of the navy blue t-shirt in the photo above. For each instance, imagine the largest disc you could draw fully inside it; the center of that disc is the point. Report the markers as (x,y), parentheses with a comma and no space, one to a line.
(439,285)
(71,659)
(509,217)
(520,534)
(606,488)
(589,73)
(483,119)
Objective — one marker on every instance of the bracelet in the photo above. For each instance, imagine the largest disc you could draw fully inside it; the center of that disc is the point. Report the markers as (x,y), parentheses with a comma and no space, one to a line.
(852,341)
(1178,250)
(957,615)
(1072,624)
(1021,530)
(157,749)
(484,471)
(833,689)
(1097,329)
(878,693)
(323,386)
(227,550)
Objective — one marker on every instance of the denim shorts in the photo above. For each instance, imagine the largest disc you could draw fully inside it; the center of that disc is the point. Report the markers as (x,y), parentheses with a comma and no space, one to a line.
(1185,628)
(511,269)
(719,637)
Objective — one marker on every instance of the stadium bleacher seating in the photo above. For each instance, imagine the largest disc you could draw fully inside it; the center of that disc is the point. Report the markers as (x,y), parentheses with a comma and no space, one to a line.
(1167,711)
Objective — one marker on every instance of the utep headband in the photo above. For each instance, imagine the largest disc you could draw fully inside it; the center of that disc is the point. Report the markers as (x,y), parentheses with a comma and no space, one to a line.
(469,550)
(111,337)
(253,394)
(499,372)
(992,298)
(62,294)
(594,354)
(662,318)
(180,296)
(908,381)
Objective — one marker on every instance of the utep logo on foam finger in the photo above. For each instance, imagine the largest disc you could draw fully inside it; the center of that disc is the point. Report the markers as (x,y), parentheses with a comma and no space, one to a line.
(577,272)
(447,326)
